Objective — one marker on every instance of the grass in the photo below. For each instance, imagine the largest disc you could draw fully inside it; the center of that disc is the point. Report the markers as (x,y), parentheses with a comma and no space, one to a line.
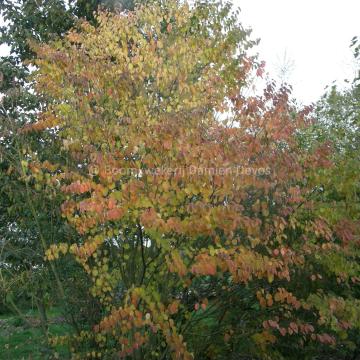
(20,342)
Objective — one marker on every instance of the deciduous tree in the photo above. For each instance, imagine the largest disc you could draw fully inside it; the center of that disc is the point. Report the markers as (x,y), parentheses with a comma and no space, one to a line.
(199,238)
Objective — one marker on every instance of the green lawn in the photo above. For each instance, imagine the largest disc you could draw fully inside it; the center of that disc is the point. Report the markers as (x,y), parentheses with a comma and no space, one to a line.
(18,341)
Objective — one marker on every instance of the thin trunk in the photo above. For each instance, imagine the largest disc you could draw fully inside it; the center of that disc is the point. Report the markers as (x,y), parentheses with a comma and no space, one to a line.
(42,313)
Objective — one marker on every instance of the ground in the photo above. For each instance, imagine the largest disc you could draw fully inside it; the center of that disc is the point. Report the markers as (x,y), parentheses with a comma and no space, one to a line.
(21,342)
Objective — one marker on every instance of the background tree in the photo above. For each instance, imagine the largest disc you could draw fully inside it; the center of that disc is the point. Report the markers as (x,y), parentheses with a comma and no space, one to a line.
(336,121)
(30,220)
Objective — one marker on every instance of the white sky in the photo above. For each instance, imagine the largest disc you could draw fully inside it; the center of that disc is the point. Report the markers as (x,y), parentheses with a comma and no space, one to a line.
(314,34)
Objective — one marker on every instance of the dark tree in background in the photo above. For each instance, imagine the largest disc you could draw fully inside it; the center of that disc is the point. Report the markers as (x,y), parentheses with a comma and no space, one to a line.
(24,232)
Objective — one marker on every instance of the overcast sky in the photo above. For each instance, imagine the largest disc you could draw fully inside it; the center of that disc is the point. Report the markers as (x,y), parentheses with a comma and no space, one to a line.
(312,37)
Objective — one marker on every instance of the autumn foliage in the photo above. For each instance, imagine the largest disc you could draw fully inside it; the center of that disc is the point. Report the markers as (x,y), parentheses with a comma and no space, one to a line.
(195,206)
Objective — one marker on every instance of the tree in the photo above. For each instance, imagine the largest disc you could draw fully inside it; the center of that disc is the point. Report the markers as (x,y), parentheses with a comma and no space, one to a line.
(22,228)
(336,121)
(198,238)
(30,219)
